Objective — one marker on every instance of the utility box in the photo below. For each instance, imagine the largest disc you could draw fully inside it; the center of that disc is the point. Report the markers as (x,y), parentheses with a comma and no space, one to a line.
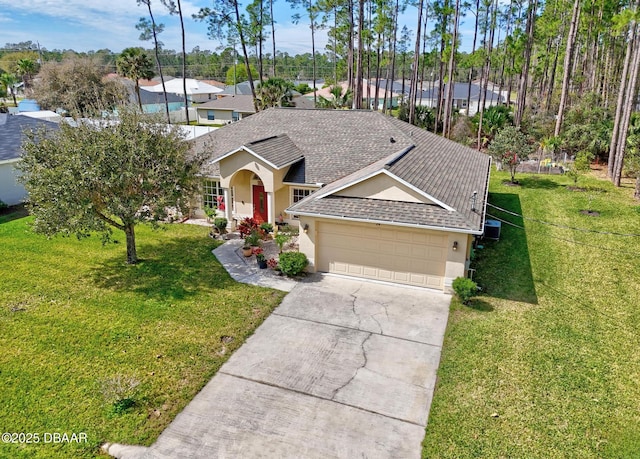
(492,229)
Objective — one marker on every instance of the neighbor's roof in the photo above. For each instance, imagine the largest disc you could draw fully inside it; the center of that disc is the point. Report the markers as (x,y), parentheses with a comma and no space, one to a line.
(176,86)
(340,147)
(239,103)
(242,88)
(149,97)
(12,129)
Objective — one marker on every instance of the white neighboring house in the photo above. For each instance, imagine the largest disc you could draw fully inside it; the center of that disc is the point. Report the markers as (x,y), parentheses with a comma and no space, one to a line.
(45,115)
(12,128)
(198,91)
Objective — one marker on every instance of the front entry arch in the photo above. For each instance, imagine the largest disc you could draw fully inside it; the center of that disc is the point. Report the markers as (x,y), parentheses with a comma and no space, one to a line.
(260,205)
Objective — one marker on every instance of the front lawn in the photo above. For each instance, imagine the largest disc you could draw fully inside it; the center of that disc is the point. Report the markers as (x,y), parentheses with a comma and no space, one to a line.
(76,321)
(546,362)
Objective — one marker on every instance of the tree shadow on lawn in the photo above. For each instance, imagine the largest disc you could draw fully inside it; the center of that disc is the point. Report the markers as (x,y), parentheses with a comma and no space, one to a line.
(503,268)
(480,305)
(536,182)
(11,213)
(175,269)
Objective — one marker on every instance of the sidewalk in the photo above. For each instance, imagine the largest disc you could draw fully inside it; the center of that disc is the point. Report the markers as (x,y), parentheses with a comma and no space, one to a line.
(246,270)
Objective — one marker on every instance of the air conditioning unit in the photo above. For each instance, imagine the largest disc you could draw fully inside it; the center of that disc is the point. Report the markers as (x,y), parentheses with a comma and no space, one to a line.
(492,229)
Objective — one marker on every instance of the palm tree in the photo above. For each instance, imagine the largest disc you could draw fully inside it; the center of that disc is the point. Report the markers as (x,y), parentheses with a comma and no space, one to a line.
(133,63)
(339,99)
(25,68)
(274,92)
(8,80)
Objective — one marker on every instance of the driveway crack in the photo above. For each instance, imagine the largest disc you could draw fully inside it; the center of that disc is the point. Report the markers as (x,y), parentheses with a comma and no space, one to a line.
(355,373)
(354,297)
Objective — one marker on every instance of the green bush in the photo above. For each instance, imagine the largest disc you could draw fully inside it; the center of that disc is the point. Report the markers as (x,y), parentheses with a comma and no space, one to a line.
(281,239)
(465,289)
(266,227)
(3,205)
(210,212)
(293,263)
(253,238)
(221,224)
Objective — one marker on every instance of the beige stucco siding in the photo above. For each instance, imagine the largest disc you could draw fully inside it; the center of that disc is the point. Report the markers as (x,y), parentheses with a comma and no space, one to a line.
(221,116)
(382,186)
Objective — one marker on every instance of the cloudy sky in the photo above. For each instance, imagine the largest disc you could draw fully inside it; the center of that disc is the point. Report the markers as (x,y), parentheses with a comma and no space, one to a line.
(98,24)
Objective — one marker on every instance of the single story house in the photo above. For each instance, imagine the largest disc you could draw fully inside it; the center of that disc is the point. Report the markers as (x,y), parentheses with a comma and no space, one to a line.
(197,91)
(369,90)
(427,95)
(153,102)
(225,110)
(12,129)
(374,197)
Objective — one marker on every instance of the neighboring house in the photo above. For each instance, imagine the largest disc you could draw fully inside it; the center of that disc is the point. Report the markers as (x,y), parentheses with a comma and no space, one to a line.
(428,95)
(153,102)
(373,196)
(368,93)
(197,91)
(216,83)
(225,110)
(45,115)
(28,105)
(240,89)
(12,129)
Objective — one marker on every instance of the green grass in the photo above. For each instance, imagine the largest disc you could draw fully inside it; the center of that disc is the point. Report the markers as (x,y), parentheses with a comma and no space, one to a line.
(545,363)
(73,315)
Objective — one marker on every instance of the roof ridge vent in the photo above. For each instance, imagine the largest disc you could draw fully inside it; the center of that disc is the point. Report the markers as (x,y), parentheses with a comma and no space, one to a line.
(400,156)
(263,139)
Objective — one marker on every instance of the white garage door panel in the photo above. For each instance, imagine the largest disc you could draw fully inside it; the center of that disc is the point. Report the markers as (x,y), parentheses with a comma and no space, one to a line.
(415,257)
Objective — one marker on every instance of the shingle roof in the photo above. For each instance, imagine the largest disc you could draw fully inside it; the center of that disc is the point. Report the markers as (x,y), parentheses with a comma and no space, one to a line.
(239,103)
(12,129)
(364,209)
(445,170)
(340,147)
(278,150)
(239,89)
(334,143)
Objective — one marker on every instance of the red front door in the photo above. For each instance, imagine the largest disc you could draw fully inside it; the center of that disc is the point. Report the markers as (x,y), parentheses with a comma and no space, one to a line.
(260,211)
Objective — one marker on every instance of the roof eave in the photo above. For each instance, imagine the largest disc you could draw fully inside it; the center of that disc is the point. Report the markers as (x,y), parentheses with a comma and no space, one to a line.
(384,222)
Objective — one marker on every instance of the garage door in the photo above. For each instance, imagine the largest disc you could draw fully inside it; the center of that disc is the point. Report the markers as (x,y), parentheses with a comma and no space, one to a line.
(406,256)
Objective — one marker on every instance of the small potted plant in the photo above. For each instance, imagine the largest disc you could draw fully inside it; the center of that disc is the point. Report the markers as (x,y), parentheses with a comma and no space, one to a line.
(260,258)
(252,239)
(247,250)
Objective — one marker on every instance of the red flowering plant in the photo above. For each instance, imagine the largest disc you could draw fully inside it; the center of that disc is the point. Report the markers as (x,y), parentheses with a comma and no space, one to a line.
(259,253)
(272,263)
(247,226)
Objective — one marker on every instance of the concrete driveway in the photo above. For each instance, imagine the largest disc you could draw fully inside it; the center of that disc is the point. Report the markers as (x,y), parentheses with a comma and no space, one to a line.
(342,368)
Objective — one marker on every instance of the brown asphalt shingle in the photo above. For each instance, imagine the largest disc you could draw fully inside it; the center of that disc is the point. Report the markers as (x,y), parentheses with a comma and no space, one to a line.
(278,150)
(347,145)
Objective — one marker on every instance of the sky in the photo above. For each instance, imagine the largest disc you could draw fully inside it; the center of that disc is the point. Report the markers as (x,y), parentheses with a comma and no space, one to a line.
(84,25)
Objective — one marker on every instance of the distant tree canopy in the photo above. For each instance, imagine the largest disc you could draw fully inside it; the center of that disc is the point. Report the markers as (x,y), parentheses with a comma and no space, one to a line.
(78,86)
(240,74)
(101,175)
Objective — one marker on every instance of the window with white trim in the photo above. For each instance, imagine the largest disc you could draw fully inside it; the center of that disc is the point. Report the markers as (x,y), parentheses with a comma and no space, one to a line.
(211,190)
(299,194)
(211,115)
